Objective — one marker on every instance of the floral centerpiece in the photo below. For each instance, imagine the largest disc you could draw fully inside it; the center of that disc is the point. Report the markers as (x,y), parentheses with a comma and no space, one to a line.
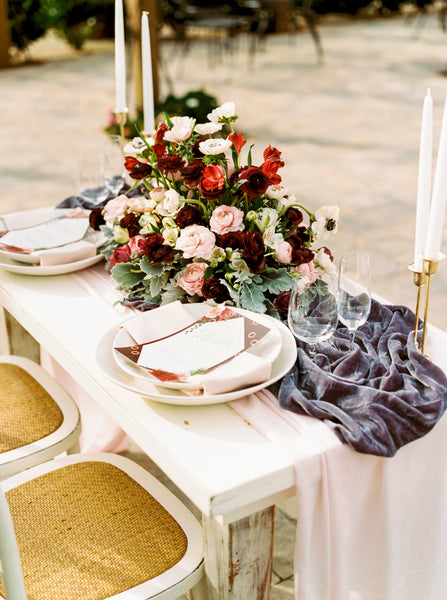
(202,222)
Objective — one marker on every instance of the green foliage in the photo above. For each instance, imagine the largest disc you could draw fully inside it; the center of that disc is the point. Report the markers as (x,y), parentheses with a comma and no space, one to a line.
(27,21)
(75,20)
(127,275)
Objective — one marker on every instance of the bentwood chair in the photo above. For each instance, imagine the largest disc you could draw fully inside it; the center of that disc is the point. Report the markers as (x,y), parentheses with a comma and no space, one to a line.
(96,526)
(38,419)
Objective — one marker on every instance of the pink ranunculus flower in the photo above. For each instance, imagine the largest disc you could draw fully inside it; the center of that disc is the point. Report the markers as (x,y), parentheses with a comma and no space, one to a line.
(133,245)
(196,240)
(121,255)
(307,270)
(116,208)
(225,219)
(141,204)
(283,253)
(192,279)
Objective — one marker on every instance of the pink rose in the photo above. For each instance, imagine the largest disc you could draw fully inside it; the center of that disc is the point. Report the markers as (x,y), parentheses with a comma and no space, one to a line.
(133,245)
(196,240)
(116,208)
(307,270)
(192,279)
(225,219)
(283,253)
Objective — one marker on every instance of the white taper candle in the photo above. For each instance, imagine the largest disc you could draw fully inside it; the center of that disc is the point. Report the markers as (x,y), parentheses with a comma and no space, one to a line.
(148,89)
(120,59)
(439,197)
(424,180)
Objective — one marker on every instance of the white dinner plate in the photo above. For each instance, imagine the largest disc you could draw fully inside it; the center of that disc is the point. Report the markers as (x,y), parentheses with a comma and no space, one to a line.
(268,347)
(26,269)
(105,359)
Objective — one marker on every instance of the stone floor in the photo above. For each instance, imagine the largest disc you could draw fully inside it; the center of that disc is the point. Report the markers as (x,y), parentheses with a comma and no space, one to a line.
(349,132)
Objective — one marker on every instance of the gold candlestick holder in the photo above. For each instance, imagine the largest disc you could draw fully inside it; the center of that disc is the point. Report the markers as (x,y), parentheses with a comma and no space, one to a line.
(121,118)
(430,267)
(419,280)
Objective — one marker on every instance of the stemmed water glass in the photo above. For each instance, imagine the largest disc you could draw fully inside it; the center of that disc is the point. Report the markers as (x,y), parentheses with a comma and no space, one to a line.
(354,291)
(113,169)
(90,181)
(312,312)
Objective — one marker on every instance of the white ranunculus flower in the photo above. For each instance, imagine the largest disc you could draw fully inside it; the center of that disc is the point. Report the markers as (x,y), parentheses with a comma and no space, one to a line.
(208,128)
(170,203)
(271,238)
(225,111)
(136,146)
(266,217)
(215,146)
(181,130)
(323,262)
(157,194)
(287,201)
(276,192)
(326,222)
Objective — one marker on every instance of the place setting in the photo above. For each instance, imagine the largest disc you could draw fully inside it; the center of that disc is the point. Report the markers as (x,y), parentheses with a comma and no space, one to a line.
(194,354)
(48,241)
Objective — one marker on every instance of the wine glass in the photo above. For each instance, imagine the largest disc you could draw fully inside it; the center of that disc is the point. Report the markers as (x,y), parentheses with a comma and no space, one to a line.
(90,182)
(113,169)
(354,291)
(312,312)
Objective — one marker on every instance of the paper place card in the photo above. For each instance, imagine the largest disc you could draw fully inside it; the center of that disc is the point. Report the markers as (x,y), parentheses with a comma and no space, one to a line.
(211,341)
(51,234)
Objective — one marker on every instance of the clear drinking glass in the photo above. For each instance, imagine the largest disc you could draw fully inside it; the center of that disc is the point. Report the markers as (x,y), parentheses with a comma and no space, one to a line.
(90,182)
(312,313)
(354,291)
(113,169)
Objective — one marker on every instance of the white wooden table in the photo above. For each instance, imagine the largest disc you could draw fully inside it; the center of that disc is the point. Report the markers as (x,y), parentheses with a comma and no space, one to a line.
(230,471)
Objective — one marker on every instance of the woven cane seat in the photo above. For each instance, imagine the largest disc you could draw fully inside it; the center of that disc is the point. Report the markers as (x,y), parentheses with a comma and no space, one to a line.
(27,412)
(89,531)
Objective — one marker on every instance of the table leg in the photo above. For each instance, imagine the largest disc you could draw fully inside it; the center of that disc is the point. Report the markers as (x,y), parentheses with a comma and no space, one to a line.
(20,342)
(238,557)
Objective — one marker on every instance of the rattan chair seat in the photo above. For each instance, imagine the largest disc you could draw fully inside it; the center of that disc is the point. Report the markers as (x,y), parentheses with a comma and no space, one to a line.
(89,531)
(27,412)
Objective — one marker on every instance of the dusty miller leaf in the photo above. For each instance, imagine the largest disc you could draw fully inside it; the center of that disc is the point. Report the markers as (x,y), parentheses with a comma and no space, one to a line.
(252,298)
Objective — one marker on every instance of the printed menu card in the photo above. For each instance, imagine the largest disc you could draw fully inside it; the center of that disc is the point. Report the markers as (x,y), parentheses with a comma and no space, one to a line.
(212,340)
(51,234)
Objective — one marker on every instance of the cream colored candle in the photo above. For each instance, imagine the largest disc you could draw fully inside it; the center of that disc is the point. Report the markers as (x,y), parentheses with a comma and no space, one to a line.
(148,90)
(120,59)
(437,208)
(424,180)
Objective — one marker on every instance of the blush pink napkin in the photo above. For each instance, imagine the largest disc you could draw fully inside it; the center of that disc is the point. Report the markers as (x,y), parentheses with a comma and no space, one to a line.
(69,253)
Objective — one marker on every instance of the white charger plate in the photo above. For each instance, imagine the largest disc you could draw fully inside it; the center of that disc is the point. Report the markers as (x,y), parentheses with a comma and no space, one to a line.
(106,362)
(27,269)
(268,347)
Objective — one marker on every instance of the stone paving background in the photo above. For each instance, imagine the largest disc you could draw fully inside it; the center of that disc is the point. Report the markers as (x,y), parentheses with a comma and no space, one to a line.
(349,132)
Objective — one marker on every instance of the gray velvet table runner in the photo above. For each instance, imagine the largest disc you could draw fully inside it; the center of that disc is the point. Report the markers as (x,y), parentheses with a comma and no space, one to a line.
(378,396)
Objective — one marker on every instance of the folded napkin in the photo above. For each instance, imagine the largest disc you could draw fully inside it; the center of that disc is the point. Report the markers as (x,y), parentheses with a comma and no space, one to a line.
(29,218)
(64,253)
(377,397)
(69,253)
(245,369)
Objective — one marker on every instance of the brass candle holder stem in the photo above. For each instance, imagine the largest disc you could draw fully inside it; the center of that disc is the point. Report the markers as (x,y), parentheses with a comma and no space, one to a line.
(419,280)
(121,118)
(430,267)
